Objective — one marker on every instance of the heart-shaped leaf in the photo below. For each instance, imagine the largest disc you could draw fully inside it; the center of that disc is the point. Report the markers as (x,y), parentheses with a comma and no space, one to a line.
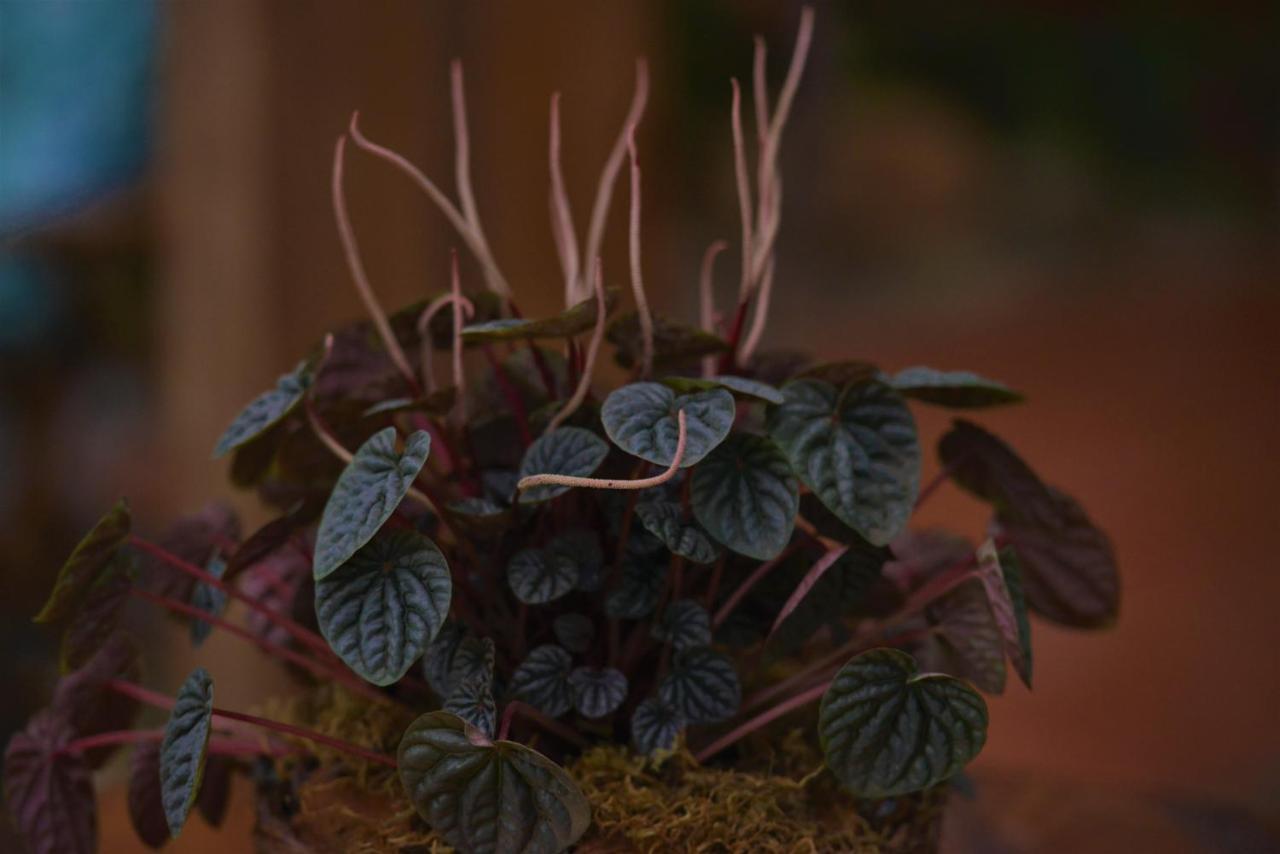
(49,792)
(488,797)
(641,587)
(746,496)
(641,419)
(575,320)
(665,520)
(887,729)
(1009,610)
(968,641)
(280,582)
(146,807)
(209,599)
(655,726)
(472,700)
(597,691)
(684,624)
(855,446)
(215,791)
(702,686)
(542,680)
(90,557)
(185,746)
(1068,567)
(987,467)
(473,659)
(565,450)
(952,389)
(99,613)
(437,661)
(382,607)
(266,409)
(537,576)
(575,632)
(88,705)
(674,344)
(366,494)
(738,385)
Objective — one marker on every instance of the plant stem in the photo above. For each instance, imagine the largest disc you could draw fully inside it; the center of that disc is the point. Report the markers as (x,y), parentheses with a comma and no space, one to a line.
(751,580)
(932,486)
(761,720)
(217,747)
(511,394)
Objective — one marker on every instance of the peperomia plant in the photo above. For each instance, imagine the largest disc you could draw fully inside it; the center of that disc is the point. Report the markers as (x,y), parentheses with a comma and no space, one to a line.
(523,557)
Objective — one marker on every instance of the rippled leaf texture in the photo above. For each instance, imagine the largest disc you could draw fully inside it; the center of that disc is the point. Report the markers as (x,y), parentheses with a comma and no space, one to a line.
(90,557)
(674,344)
(473,659)
(1069,570)
(1008,611)
(738,385)
(49,794)
(968,642)
(99,614)
(684,624)
(565,450)
(575,632)
(665,520)
(655,726)
(185,746)
(582,546)
(987,467)
(575,320)
(597,691)
(265,410)
(542,680)
(952,389)
(83,699)
(208,599)
(366,494)
(488,798)
(437,661)
(472,700)
(382,607)
(887,729)
(638,593)
(746,496)
(855,446)
(702,686)
(641,419)
(537,576)
(146,807)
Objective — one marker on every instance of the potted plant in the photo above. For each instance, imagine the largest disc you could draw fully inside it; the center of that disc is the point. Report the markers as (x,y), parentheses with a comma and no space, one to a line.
(530,613)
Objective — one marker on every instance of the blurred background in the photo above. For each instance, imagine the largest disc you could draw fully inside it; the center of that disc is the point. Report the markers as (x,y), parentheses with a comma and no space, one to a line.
(1079,199)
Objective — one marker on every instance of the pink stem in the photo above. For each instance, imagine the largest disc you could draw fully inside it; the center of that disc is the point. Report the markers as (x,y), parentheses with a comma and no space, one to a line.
(745,587)
(761,720)
(217,747)
(511,394)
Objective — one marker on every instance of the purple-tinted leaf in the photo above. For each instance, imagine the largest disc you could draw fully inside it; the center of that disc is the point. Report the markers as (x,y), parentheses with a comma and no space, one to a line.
(969,643)
(812,577)
(988,468)
(674,344)
(272,536)
(146,809)
(208,599)
(99,613)
(953,389)
(94,552)
(274,581)
(49,793)
(920,555)
(1009,617)
(215,791)
(88,706)
(195,538)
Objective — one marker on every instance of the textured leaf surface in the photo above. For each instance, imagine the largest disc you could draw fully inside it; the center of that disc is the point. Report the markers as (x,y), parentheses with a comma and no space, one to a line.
(90,557)
(209,599)
(538,576)
(265,410)
(987,467)
(472,700)
(597,691)
(1008,611)
(582,546)
(83,699)
(488,798)
(575,320)
(665,520)
(146,807)
(382,607)
(437,661)
(1069,572)
(952,389)
(684,624)
(887,729)
(855,446)
(641,419)
(746,496)
(655,726)
(565,450)
(185,746)
(969,642)
(49,795)
(674,344)
(738,385)
(542,680)
(366,494)
(702,687)
(473,659)
(575,632)
(637,595)
(99,613)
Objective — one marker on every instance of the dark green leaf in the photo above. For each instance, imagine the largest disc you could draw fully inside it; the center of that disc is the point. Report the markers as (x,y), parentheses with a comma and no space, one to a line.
(92,554)
(745,495)
(565,450)
(537,576)
(969,643)
(473,659)
(146,807)
(50,793)
(185,746)
(472,700)
(437,403)
(574,320)
(1010,615)
(382,607)
(437,661)
(887,729)
(481,517)
(542,680)
(366,494)
(597,691)
(702,687)
(99,614)
(953,389)
(641,587)
(674,344)
(840,374)
(574,631)
(88,705)
(266,409)
(655,726)
(987,467)
(1068,567)
(665,520)
(208,599)
(738,385)
(684,624)
(641,419)
(582,547)
(488,797)
(855,447)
